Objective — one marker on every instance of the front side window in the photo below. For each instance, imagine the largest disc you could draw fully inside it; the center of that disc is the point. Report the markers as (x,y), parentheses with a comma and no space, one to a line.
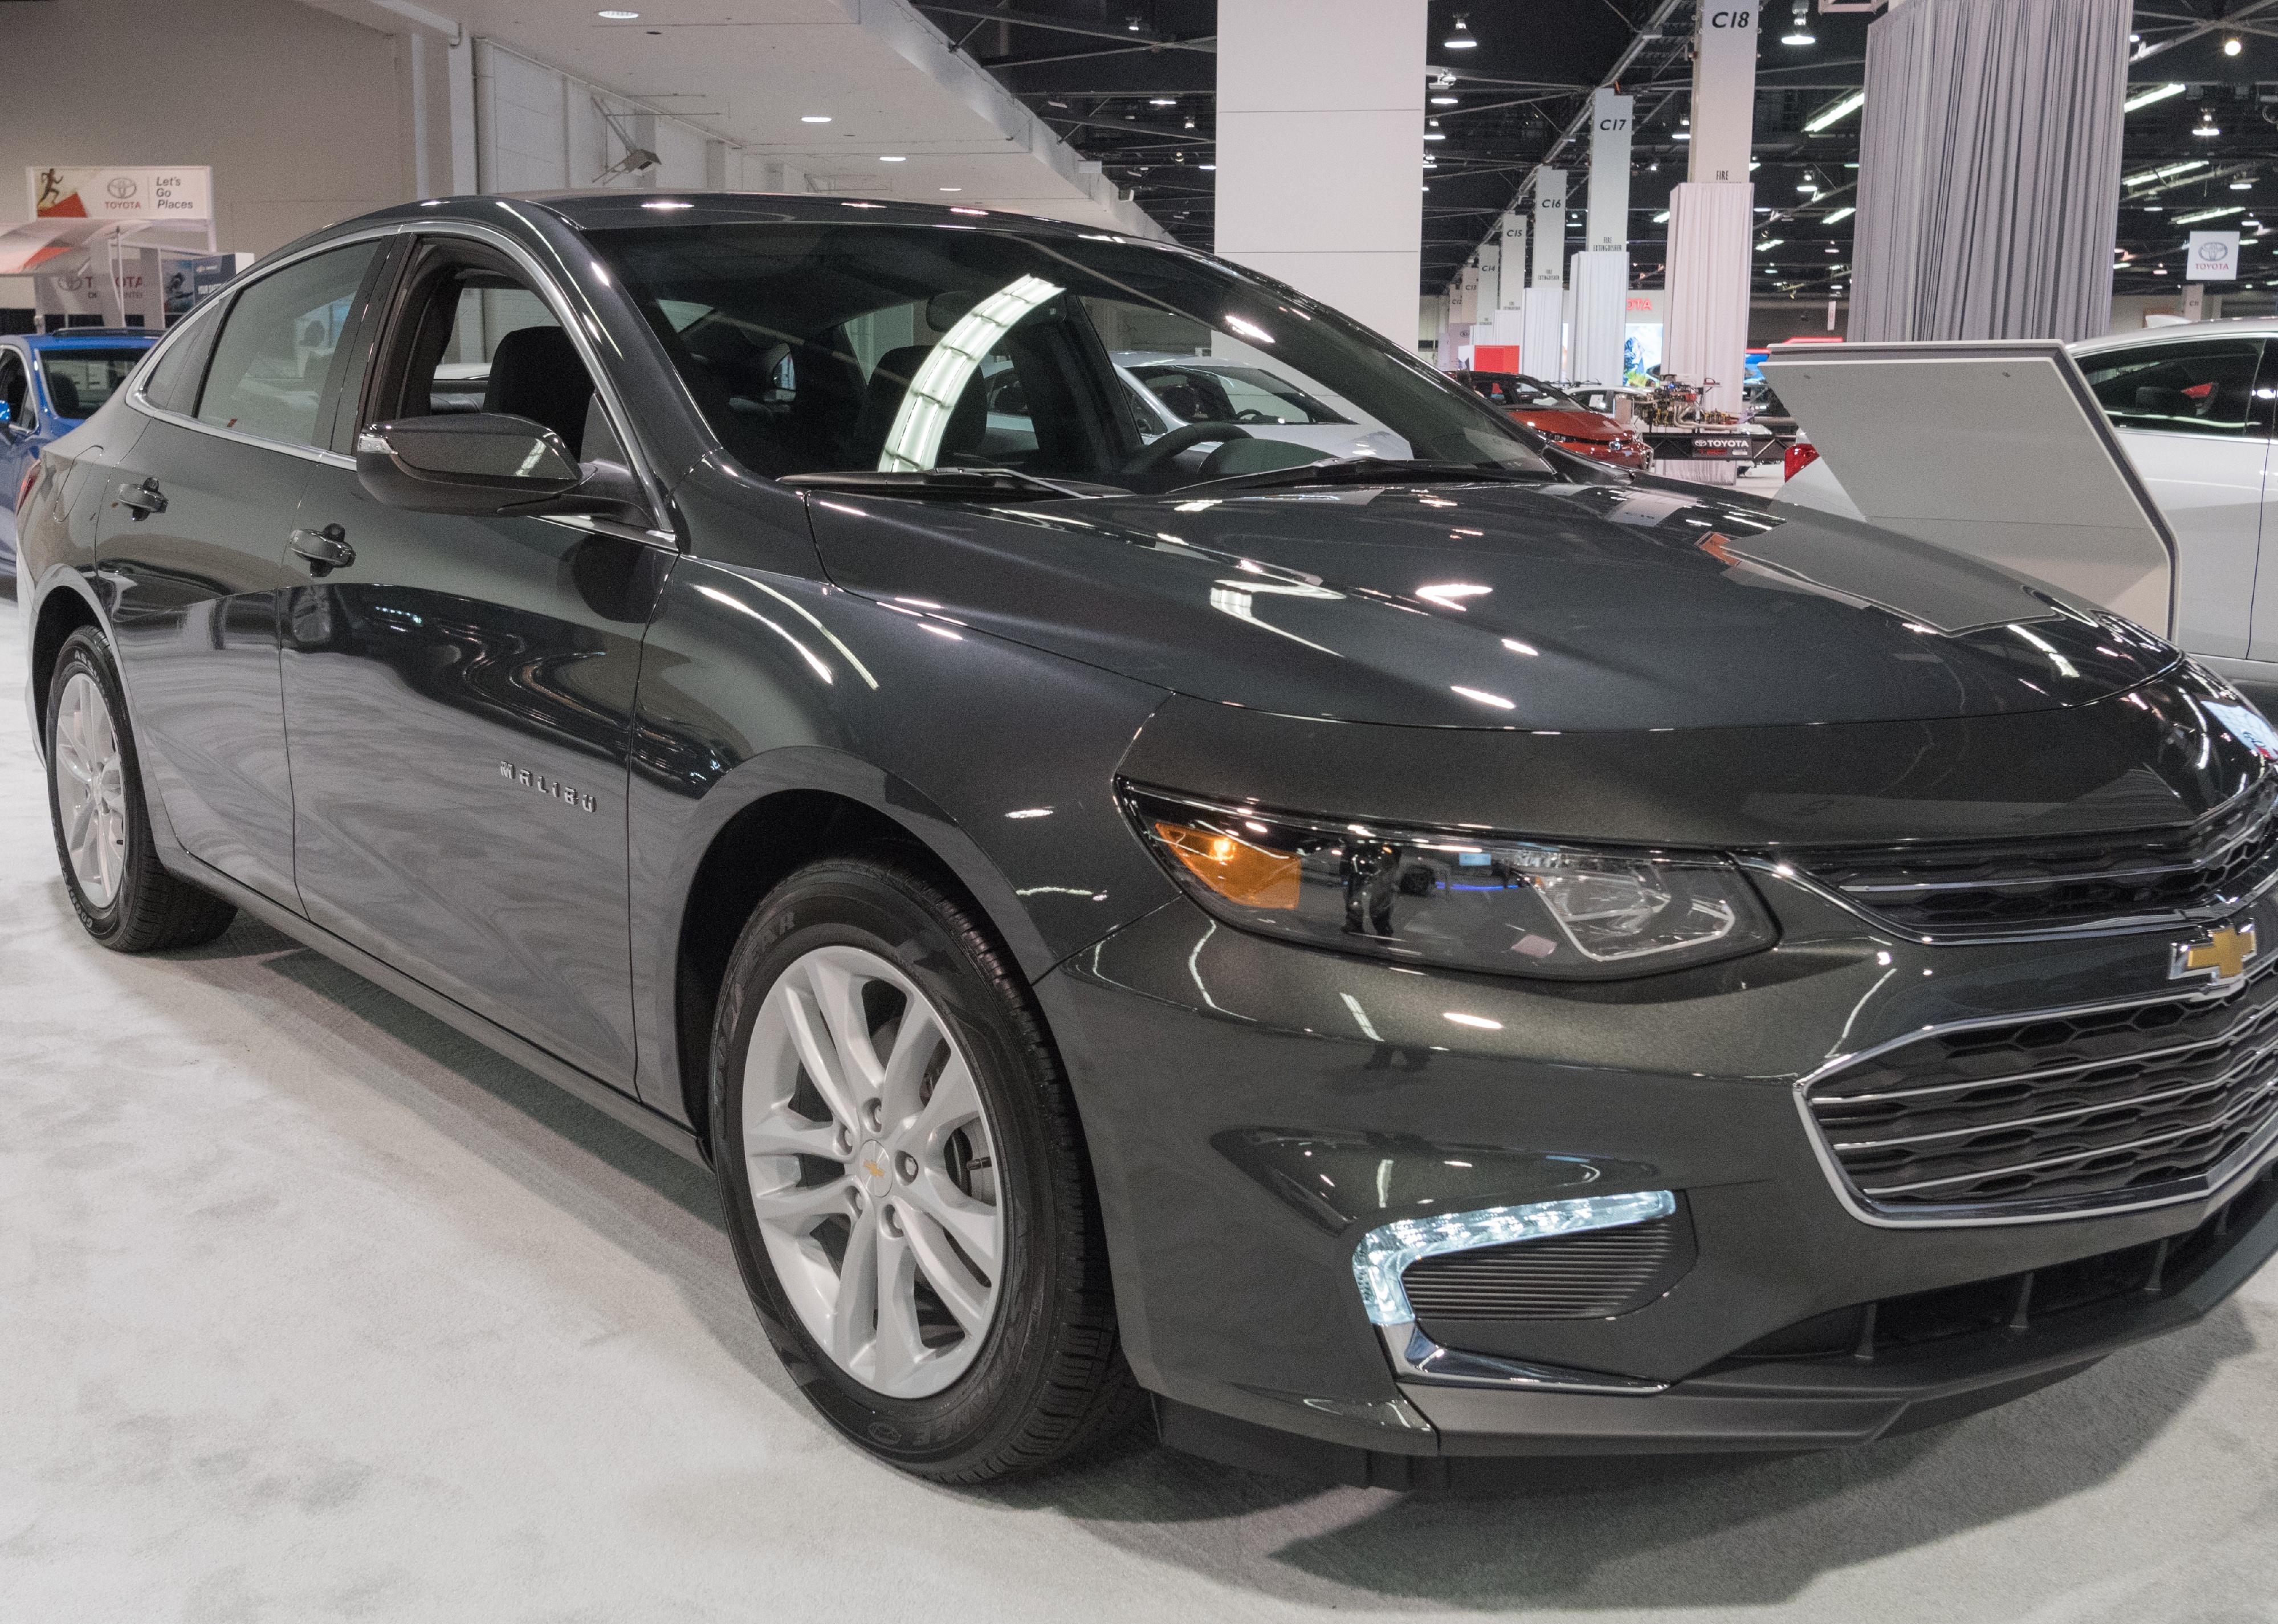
(270,365)
(80,380)
(828,347)
(15,392)
(2205,387)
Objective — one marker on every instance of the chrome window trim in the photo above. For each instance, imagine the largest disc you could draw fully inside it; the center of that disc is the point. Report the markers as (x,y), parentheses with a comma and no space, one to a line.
(2242,1167)
(549,289)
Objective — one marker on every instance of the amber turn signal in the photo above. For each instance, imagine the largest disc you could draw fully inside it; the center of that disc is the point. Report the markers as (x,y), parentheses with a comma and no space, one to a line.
(1237,870)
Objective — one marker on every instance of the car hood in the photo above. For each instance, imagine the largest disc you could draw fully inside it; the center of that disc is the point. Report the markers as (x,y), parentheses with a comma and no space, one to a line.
(1570,426)
(1534,607)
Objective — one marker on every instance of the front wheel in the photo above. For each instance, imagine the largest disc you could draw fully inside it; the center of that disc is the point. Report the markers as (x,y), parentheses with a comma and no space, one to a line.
(122,896)
(904,1181)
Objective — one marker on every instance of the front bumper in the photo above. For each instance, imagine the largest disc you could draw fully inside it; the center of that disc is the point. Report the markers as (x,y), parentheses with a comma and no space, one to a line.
(1254,1110)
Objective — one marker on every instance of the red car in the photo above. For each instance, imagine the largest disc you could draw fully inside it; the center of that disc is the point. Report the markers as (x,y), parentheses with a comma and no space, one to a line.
(1561,419)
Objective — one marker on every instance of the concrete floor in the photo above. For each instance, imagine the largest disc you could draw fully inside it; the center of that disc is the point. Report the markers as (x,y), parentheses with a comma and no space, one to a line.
(310,1308)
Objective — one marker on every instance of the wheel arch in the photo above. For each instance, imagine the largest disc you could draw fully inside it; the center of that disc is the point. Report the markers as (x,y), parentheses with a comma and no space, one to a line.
(775,814)
(63,609)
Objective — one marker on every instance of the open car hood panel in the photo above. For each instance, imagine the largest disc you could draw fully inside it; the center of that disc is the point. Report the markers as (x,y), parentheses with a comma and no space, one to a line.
(1997,450)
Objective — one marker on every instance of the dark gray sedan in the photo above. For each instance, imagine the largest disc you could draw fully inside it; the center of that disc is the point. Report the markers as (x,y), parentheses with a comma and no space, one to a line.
(1378,961)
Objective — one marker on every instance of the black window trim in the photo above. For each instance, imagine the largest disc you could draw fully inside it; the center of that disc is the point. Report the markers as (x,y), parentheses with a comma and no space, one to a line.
(23,359)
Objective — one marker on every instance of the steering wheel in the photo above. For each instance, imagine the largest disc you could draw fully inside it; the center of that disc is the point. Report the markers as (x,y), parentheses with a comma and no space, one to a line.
(1181,439)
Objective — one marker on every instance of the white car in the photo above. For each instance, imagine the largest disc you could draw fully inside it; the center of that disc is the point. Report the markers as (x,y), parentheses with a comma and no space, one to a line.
(2195,408)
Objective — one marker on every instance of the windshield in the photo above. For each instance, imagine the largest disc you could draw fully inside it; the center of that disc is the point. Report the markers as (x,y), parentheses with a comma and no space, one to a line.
(1515,392)
(826,348)
(80,380)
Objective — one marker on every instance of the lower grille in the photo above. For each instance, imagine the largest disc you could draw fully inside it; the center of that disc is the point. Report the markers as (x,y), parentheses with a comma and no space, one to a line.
(2010,1306)
(2098,1108)
(1594,1275)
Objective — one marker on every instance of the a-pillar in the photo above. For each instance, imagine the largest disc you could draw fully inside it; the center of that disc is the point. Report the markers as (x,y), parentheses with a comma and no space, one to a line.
(1711,213)
(1542,350)
(1320,141)
(1601,271)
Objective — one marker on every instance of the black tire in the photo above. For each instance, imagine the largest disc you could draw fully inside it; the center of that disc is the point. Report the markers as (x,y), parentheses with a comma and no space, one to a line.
(152,909)
(1050,1379)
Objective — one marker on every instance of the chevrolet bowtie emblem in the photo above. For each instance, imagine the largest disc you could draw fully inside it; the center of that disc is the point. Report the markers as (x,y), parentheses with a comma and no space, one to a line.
(2220,956)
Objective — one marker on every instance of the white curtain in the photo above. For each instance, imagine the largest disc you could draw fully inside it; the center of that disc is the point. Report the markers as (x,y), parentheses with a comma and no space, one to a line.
(1989,178)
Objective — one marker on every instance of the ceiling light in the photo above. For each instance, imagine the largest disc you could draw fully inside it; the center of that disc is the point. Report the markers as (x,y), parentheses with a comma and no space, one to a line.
(1799,31)
(2208,130)
(1190,121)
(1205,166)
(1844,213)
(1685,136)
(1132,26)
(2145,98)
(882,158)
(2155,207)
(815,117)
(1445,100)
(1434,133)
(1841,109)
(2232,46)
(1162,101)
(1460,38)
(2145,177)
(2205,214)
(2242,185)
(618,17)
(952,188)
(1662,218)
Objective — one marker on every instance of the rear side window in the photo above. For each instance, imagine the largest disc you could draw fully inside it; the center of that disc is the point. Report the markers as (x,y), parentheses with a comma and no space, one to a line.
(173,385)
(276,345)
(2205,387)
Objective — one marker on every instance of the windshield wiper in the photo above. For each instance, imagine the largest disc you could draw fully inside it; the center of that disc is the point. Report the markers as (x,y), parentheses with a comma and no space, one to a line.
(1373,471)
(950,484)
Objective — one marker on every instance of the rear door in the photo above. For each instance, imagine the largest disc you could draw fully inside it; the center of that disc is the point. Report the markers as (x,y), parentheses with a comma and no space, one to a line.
(2187,414)
(192,540)
(460,693)
(17,449)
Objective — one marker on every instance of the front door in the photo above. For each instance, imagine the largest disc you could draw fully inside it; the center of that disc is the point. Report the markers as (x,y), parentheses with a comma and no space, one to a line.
(192,540)
(459,694)
(17,449)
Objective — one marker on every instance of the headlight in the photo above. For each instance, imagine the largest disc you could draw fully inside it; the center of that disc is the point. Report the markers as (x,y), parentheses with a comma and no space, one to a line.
(1440,897)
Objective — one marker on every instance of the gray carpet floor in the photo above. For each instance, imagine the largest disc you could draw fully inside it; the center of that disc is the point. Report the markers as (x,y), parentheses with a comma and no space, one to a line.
(310,1308)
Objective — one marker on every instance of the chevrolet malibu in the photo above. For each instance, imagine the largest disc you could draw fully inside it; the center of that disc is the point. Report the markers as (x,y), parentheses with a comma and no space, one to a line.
(1371,963)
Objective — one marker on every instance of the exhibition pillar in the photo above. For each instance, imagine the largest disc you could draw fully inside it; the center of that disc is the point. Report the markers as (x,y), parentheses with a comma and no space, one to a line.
(1711,214)
(1320,136)
(1542,343)
(1989,170)
(1601,271)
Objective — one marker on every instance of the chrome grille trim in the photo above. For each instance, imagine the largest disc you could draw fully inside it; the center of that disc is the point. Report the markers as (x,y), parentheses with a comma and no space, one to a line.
(2248,1161)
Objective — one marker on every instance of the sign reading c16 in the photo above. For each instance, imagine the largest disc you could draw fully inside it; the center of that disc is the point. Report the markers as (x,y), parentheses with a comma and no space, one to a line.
(2212,257)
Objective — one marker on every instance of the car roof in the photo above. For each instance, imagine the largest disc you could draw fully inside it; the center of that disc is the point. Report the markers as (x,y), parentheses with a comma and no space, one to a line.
(88,338)
(2238,327)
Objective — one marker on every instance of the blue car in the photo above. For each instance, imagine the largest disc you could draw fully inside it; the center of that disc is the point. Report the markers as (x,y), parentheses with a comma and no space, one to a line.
(50,383)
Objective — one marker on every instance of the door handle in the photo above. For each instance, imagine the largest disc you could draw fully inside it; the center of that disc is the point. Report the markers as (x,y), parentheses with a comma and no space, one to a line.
(142,501)
(324,550)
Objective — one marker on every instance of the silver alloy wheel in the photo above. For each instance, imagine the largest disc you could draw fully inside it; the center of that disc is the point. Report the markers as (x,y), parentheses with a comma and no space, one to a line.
(90,788)
(872,1171)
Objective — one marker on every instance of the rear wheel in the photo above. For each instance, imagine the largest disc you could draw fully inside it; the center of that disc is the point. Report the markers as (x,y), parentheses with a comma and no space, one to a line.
(102,827)
(905,1182)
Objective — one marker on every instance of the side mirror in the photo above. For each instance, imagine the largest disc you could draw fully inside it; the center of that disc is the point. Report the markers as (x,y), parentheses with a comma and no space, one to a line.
(485,463)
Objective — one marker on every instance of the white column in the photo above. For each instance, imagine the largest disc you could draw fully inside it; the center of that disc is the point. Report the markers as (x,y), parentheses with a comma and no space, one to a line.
(1541,352)
(1601,271)
(1711,215)
(1320,138)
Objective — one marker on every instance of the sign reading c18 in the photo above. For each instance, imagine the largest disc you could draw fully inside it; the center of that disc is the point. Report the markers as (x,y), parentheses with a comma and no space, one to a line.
(1741,17)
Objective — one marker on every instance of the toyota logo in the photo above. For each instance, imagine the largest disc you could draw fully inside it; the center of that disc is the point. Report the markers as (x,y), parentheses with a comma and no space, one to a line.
(2215,252)
(121,186)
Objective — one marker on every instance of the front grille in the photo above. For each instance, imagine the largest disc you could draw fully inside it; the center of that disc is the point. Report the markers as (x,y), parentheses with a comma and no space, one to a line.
(1593,1275)
(2101,1107)
(2072,883)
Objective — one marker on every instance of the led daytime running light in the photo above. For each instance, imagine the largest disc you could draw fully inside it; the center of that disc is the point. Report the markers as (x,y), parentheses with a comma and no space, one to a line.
(1385,1251)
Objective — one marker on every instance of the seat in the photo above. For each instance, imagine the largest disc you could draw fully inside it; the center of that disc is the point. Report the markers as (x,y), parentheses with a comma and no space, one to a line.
(882,402)
(536,373)
(63,395)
